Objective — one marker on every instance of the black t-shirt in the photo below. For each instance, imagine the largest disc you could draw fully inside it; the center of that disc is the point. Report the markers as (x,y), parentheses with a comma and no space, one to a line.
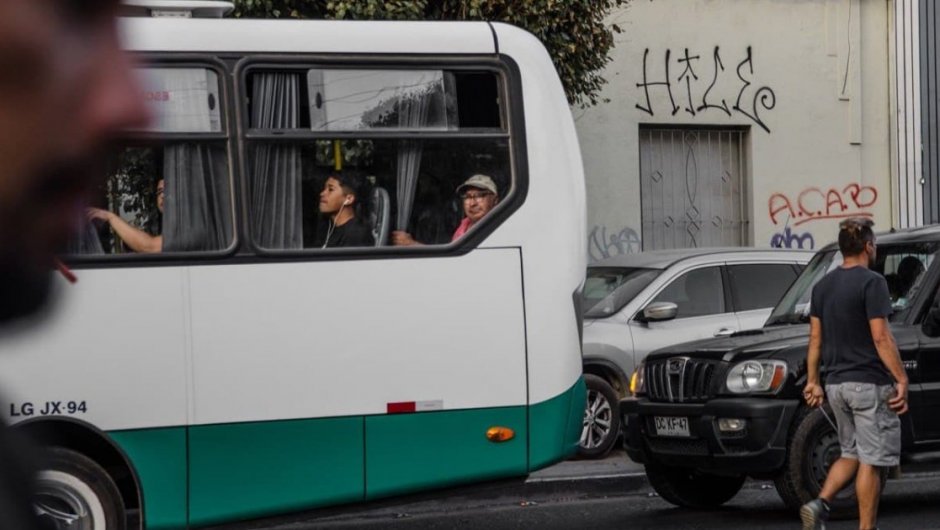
(351,234)
(844,301)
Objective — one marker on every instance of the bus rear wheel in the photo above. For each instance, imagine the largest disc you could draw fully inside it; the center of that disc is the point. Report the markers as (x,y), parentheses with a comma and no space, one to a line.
(73,491)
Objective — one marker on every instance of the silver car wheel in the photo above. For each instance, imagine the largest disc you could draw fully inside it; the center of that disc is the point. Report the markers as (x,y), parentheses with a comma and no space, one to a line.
(601,424)
(597,420)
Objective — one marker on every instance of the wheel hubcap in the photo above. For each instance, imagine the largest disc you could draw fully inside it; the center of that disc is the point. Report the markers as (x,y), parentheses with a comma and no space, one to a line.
(598,417)
(61,505)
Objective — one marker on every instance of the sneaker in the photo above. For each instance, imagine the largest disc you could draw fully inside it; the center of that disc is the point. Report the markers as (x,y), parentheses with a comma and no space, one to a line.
(814,514)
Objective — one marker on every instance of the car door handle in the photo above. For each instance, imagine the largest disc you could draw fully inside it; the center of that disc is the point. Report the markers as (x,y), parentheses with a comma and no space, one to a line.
(725,332)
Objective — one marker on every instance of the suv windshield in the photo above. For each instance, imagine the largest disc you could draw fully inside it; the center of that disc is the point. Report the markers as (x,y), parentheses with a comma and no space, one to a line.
(902,265)
(608,289)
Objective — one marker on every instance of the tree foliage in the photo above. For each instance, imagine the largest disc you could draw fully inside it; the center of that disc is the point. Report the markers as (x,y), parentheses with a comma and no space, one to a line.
(573,31)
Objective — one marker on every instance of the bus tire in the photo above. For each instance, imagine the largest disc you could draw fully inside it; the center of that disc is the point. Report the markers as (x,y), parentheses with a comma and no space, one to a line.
(71,485)
(690,488)
(601,424)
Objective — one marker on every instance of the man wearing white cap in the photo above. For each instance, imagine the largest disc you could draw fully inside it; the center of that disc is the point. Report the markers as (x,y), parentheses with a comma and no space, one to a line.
(479,195)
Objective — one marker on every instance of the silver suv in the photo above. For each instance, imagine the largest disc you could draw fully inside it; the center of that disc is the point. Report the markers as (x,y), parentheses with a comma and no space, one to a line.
(636,303)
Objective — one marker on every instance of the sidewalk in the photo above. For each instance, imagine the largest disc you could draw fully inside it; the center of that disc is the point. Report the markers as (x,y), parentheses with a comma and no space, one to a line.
(615,474)
(616,464)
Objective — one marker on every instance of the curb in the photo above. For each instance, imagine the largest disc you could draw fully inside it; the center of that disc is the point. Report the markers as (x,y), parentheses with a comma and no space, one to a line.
(584,485)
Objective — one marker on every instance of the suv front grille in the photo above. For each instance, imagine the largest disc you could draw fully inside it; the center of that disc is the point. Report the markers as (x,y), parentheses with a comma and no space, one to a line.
(679,379)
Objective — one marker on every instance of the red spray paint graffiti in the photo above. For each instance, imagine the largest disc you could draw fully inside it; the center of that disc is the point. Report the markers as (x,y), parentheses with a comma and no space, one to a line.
(813,204)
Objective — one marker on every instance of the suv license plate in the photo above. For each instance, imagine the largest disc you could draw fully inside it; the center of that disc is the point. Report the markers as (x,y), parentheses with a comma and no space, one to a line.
(670,426)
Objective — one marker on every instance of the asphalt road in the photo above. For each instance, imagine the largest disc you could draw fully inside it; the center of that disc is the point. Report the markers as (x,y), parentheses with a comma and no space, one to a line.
(911,506)
(912,502)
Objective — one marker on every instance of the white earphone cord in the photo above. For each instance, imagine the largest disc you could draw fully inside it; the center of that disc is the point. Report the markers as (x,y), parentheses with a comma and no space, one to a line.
(329,231)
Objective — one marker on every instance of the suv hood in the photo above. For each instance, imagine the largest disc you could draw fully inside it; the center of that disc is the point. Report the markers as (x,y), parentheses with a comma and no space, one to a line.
(788,342)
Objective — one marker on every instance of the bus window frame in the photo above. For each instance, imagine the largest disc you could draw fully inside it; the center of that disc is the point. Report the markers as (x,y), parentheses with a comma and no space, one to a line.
(144,138)
(229,67)
(512,132)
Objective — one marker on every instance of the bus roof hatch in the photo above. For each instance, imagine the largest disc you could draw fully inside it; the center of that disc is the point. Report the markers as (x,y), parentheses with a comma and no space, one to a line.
(177,8)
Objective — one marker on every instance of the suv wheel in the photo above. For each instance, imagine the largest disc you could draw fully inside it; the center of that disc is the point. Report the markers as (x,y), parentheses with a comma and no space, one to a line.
(690,488)
(601,418)
(813,447)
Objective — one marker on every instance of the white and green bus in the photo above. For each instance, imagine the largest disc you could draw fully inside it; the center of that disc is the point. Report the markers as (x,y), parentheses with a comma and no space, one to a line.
(243,370)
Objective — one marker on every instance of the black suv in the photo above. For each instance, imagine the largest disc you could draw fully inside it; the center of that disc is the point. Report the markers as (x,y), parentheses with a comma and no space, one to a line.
(708,414)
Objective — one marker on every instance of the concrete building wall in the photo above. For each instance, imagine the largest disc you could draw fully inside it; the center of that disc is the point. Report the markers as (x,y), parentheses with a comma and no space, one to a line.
(808,80)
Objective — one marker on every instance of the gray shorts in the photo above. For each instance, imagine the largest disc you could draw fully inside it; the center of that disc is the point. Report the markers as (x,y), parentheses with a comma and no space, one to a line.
(869,430)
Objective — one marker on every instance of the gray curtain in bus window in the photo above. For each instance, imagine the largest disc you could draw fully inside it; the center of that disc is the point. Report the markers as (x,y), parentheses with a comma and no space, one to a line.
(196,200)
(412,114)
(276,211)
(85,241)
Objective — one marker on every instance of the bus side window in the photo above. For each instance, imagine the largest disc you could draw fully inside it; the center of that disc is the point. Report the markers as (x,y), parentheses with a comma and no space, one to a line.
(397,172)
(128,203)
(169,197)
(165,195)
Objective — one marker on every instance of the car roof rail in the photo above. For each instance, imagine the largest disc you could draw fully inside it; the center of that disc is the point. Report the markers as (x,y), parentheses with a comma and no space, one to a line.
(176,8)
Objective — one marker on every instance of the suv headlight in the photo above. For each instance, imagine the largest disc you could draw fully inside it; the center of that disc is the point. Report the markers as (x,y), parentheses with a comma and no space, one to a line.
(638,381)
(756,376)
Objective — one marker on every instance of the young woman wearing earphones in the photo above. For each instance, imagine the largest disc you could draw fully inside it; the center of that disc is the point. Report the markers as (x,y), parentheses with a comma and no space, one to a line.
(339,201)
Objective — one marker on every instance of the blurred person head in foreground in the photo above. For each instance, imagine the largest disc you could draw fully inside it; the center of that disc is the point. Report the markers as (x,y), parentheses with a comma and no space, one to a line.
(66,90)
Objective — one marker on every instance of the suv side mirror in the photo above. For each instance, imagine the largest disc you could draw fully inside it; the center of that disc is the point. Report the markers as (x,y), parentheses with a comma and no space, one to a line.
(660,311)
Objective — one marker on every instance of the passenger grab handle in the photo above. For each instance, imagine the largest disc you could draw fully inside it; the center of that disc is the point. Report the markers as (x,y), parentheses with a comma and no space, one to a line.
(725,332)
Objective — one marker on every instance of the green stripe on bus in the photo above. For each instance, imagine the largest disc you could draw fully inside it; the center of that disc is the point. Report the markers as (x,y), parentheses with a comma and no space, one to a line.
(555,426)
(411,452)
(159,457)
(246,470)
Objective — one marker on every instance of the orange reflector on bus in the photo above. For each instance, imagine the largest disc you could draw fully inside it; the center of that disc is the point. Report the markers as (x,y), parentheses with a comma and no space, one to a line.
(500,434)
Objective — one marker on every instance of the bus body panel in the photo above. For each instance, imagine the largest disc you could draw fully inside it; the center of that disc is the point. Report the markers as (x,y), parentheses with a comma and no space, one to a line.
(247,470)
(331,334)
(159,458)
(456,345)
(555,426)
(116,344)
(250,469)
(411,452)
(553,223)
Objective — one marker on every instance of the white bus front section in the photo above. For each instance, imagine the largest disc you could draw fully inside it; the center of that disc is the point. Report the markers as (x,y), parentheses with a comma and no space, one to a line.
(207,352)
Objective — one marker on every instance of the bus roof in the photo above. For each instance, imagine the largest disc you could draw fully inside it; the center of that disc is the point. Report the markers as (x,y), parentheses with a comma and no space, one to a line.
(306,36)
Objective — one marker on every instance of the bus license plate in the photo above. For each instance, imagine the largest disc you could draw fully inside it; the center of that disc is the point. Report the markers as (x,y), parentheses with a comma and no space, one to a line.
(670,426)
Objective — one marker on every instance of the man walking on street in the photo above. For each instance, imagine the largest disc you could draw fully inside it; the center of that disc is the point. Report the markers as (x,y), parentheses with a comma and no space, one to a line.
(849,331)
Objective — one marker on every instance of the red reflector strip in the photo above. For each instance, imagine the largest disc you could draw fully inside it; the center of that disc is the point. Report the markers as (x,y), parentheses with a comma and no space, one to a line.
(400,407)
(415,406)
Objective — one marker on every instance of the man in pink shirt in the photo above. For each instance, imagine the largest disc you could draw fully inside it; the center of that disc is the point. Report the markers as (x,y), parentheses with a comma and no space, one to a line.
(479,195)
